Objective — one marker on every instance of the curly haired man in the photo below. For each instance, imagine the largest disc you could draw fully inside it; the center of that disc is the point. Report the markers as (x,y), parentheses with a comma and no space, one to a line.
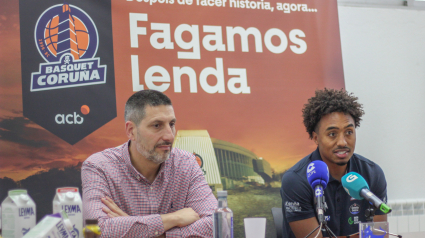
(331,118)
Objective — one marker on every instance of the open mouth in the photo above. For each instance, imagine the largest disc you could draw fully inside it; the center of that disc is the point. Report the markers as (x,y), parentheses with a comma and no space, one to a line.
(341,153)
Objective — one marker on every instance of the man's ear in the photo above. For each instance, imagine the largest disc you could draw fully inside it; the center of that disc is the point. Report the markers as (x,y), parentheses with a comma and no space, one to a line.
(315,138)
(130,130)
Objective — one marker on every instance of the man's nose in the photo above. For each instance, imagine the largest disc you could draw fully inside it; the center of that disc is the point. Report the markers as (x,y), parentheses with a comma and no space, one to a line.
(342,142)
(168,134)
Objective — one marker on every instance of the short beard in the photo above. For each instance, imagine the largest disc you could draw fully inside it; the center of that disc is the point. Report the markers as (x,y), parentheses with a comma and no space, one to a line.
(152,155)
(341,163)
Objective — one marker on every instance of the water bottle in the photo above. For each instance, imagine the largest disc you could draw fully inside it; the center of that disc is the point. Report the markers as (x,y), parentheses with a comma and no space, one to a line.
(222,218)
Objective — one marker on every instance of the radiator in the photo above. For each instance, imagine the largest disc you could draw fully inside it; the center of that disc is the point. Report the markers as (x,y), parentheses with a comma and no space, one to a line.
(407,216)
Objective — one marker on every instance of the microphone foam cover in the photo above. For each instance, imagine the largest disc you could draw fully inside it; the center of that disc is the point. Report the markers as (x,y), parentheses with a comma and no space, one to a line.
(353,183)
(318,174)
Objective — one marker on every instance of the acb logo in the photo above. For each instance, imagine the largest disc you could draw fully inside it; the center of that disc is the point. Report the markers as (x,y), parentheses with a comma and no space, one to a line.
(73,118)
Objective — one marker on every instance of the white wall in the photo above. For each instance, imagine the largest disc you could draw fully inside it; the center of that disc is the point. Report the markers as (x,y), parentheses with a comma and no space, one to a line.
(383,53)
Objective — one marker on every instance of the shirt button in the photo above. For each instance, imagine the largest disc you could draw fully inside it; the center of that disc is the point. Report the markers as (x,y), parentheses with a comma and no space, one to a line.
(156,233)
(151,188)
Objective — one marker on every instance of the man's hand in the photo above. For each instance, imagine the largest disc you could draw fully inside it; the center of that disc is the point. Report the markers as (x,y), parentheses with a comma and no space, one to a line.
(185,216)
(112,210)
(180,218)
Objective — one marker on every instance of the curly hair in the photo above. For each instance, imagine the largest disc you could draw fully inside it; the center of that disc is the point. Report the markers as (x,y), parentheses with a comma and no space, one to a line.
(327,101)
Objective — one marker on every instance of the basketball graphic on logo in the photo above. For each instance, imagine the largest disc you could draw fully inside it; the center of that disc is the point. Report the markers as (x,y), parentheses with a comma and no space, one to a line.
(79,37)
(51,35)
(65,28)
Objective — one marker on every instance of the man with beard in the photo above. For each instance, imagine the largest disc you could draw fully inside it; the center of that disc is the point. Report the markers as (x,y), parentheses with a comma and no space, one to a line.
(331,118)
(146,188)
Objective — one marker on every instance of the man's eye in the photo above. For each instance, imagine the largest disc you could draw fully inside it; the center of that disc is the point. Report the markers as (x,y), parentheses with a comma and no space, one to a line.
(172,124)
(349,132)
(156,125)
(332,134)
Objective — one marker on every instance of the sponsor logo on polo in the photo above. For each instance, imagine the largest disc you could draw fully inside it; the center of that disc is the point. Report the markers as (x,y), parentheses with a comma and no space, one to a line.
(353,220)
(292,206)
(354,209)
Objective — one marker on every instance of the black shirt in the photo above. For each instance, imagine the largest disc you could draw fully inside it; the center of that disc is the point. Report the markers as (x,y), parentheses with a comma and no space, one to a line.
(343,213)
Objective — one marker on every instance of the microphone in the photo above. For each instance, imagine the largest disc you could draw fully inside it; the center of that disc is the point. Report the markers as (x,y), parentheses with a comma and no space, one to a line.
(318,178)
(356,186)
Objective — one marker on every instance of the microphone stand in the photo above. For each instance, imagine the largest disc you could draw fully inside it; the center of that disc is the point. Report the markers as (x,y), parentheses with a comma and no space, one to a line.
(370,213)
(330,233)
(322,221)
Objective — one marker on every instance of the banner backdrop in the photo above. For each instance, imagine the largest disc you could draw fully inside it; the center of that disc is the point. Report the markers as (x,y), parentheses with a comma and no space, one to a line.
(237,71)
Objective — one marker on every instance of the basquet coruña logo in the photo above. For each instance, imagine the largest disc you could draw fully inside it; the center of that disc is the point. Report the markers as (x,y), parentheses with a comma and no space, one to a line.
(67,38)
(67,65)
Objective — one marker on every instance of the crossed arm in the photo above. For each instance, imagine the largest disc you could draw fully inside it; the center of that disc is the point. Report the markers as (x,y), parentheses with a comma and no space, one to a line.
(180,218)
(194,219)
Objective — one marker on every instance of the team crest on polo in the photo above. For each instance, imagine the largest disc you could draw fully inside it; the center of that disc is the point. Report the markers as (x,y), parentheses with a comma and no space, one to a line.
(67,39)
(68,84)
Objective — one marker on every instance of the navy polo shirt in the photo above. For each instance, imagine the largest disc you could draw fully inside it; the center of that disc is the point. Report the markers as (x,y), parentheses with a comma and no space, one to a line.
(343,213)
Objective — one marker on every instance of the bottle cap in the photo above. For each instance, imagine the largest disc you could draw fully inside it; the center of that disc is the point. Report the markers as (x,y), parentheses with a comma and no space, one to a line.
(222,193)
(24,198)
(69,196)
(91,221)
